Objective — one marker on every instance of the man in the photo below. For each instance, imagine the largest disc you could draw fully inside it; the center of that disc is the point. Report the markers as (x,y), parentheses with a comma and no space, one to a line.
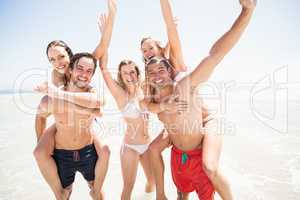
(185,129)
(74,149)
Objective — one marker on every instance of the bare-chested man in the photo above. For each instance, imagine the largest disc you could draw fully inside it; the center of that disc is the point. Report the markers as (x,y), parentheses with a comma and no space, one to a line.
(74,149)
(185,129)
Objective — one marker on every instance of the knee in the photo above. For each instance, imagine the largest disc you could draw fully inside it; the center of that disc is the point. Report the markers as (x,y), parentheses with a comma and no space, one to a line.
(211,169)
(39,153)
(105,152)
(154,149)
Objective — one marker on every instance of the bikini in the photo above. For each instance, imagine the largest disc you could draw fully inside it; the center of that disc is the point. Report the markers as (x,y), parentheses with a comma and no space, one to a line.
(132,110)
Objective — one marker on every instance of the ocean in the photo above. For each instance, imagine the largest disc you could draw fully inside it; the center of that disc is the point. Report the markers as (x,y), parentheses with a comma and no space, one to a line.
(260,157)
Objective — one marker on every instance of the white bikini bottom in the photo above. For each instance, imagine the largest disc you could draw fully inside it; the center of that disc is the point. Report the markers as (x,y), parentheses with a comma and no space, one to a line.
(139,148)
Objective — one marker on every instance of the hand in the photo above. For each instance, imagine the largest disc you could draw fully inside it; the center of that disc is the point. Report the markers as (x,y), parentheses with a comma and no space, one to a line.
(248,4)
(41,88)
(112,7)
(103,19)
(49,89)
(102,22)
(174,105)
(97,112)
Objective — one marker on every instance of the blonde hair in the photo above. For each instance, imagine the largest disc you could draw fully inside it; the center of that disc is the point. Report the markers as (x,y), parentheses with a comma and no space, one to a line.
(156,42)
(119,77)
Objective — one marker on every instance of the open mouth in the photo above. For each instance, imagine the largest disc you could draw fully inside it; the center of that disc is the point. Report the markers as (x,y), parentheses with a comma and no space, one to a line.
(82,79)
(61,67)
(150,57)
(158,81)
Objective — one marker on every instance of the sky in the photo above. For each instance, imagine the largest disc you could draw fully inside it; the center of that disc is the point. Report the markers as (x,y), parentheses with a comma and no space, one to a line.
(271,40)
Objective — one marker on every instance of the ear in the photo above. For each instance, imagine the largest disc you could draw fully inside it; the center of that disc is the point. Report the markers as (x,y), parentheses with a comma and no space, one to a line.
(170,70)
(70,70)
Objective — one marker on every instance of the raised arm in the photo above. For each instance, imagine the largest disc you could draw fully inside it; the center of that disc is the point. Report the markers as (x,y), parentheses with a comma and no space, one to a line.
(117,92)
(175,56)
(106,30)
(223,45)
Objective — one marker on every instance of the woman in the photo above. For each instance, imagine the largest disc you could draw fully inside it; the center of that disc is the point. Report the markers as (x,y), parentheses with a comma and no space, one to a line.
(59,55)
(212,143)
(128,94)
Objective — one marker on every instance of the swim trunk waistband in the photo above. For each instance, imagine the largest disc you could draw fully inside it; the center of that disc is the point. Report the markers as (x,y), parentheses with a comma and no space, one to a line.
(76,154)
(194,152)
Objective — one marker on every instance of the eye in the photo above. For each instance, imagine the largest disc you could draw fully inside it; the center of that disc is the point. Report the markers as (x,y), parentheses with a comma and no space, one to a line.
(51,60)
(61,57)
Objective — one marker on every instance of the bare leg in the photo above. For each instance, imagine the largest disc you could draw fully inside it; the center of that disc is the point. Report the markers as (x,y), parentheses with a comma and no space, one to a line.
(146,164)
(182,195)
(101,166)
(129,164)
(43,156)
(68,190)
(212,145)
(99,196)
(161,142)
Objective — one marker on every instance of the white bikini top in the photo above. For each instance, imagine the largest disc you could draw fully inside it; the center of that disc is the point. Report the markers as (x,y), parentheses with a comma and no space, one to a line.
(132,109)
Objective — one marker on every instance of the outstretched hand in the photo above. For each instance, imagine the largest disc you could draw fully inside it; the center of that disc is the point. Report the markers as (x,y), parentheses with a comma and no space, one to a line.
(48,89)
(248,4)
(103,18)
(112,6)
(102,22)
(41,88)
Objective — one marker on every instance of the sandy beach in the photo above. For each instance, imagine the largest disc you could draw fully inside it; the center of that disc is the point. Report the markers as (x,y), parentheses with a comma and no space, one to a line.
(260,162)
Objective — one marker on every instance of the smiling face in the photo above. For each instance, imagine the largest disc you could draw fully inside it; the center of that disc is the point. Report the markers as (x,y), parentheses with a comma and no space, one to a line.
(158,73)
(59,58)
(129,74)
(82,72)
(150,48)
